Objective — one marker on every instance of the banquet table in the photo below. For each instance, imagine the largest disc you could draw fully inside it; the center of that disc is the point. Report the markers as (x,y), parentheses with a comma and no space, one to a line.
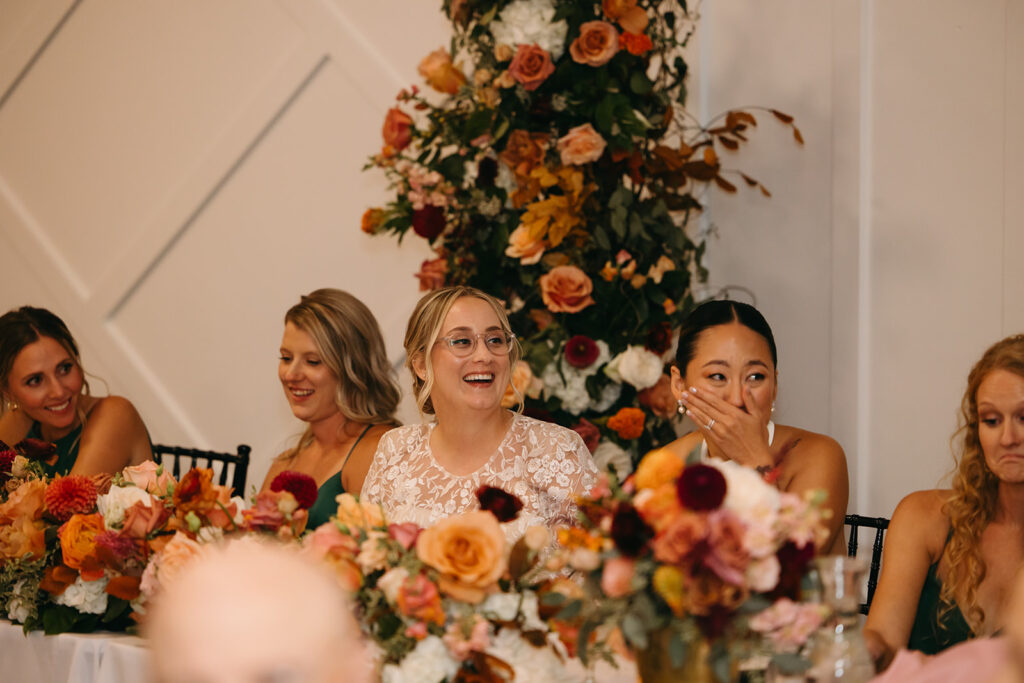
(118,658)
(70,657)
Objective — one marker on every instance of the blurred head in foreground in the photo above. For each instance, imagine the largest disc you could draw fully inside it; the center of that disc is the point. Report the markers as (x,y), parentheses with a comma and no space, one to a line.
(253,612)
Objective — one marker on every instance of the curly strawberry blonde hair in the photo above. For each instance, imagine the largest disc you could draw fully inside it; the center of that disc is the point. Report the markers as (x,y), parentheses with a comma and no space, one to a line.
(972,505)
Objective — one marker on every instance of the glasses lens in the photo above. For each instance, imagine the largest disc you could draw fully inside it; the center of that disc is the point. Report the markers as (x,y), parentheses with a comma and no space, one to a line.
(461,345)
(498,343)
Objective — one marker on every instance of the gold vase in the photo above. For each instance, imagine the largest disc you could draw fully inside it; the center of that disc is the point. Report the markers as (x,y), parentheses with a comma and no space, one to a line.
(654,665)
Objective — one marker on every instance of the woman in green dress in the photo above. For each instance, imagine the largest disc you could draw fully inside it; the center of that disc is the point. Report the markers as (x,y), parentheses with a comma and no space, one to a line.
(46,396)
(337,379)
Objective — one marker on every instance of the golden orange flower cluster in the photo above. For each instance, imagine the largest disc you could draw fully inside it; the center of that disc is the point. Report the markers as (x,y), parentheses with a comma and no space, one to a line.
(628,423)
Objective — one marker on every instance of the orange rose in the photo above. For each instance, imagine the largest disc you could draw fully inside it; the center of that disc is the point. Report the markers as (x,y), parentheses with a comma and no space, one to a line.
(660,466)
(531,66)
(21,536)
(628,422)
(597,43)
(521,378)
(566,289)
(372,218)
(356,514)
(523,246)
(440,73)
(581,145)
(195,493)
(432,274)
(25,501)
(469,551)
(659,506)
(630,17)
(636,44)
(78,546)
(163,569)
(397,130)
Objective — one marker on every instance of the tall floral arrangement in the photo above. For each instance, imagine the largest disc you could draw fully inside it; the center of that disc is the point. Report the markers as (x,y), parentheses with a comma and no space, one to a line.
(555,167)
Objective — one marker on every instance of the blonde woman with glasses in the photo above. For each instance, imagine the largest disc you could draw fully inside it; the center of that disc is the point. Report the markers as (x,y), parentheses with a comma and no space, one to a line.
(460,351)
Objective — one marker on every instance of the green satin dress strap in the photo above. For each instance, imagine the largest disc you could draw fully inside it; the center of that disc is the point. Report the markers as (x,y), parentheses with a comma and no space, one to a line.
(929,634)
(67,450)
(326,506)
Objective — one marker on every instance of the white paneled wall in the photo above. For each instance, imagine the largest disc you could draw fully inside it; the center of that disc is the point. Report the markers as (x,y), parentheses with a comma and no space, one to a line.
(174,175)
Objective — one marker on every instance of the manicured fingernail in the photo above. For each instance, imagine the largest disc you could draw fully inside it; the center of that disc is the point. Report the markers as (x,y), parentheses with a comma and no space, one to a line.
(684,397)
(693,390)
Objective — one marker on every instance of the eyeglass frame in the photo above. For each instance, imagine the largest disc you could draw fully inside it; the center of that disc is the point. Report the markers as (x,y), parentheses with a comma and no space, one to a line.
(509,336)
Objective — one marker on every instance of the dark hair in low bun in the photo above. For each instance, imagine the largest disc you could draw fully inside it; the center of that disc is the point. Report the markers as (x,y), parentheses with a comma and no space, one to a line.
(720,312)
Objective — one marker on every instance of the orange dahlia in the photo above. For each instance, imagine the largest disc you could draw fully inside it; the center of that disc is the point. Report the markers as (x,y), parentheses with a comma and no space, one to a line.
(66,496)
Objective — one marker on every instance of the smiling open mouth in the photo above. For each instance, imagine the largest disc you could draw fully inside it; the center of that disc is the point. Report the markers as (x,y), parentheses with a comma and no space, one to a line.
(61,408)
(479,378)
(301,393)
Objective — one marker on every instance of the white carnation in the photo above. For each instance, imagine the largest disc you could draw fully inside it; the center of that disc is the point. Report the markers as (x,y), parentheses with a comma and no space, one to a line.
(636,365)
(506,606)
(429,662)
(88,597)
(525,22)
(113,504)
(531,664)
(608,455)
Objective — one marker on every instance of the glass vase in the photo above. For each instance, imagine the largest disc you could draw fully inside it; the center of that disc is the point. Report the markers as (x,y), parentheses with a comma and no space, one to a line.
(839,652)
(654,664)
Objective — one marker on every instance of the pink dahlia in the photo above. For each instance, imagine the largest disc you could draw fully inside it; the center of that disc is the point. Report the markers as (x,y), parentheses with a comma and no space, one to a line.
(300,485)
(70,495)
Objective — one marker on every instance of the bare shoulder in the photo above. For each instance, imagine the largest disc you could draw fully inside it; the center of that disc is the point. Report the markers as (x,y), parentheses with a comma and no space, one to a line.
(924,510)
(685,444)
(805,444)
(116,408)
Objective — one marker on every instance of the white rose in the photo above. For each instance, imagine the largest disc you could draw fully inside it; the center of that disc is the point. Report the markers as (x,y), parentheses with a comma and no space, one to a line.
(429,662)
(746,493)
(636,365)
(240,505)
(18,467)
(608,455)
(88,597)
(113,503)
(391,581)
(531,664)
(524,22)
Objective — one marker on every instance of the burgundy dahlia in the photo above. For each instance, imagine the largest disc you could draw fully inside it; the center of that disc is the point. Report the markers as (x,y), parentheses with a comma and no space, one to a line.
(629,531)
(428,222)
(37,449)
(300,485)
(793,562)
(581,351)
(70,495)
(701,487)
(499,503)
(659,339)
(6,462)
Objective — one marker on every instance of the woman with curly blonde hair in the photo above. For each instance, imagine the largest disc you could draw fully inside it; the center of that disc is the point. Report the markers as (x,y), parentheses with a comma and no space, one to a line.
(951,555)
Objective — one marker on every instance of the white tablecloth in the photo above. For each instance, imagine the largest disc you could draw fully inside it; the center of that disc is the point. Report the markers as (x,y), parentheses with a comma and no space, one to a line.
(70,657)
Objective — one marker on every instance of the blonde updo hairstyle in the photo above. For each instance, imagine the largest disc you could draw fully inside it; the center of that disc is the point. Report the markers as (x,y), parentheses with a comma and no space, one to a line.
(425,328)
(349,342)
(972,505)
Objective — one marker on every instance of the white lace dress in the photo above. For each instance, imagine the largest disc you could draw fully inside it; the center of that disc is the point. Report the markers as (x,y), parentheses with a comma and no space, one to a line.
(543,464)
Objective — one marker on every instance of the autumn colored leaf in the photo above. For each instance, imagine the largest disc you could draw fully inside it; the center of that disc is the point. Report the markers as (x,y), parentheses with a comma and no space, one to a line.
(781,116)
(728,143)
(724,184)
(797,136)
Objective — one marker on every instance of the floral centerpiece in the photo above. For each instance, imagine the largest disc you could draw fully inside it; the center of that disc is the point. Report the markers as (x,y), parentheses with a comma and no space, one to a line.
(74,557)
(555,167)
(453,602)
(682,555)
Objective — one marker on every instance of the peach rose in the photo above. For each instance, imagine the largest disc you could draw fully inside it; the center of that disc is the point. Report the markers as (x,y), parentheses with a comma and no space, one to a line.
(21,536)
(469,551)
(581,145)
(418,598)
(503,52)
(659,506)
(440,73)
(597,43)
(676,540)
(630,17)
(25,501)
(617,577)
(356,514)
(432,274)
(163,569)
(77,544)
(397,129)
(566,289)
(531,66)
(659,398)
(149,477)
(658,467)
(523,246)
(521,378)
(140,520)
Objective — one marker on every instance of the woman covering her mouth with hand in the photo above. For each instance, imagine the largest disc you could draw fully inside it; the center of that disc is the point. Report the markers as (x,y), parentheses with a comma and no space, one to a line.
(460,351)
(46,397)
(337,379)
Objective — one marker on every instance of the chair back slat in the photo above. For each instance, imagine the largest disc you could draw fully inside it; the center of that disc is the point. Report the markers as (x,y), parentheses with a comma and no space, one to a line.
(879,524)
(192,457)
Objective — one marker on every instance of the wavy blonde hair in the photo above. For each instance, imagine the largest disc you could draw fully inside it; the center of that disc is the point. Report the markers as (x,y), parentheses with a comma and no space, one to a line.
(972,505)
(349,342)
(425,327)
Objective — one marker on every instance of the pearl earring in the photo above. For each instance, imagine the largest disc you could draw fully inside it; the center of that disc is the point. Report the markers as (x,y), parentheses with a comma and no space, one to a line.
(773,406)
(682,407)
